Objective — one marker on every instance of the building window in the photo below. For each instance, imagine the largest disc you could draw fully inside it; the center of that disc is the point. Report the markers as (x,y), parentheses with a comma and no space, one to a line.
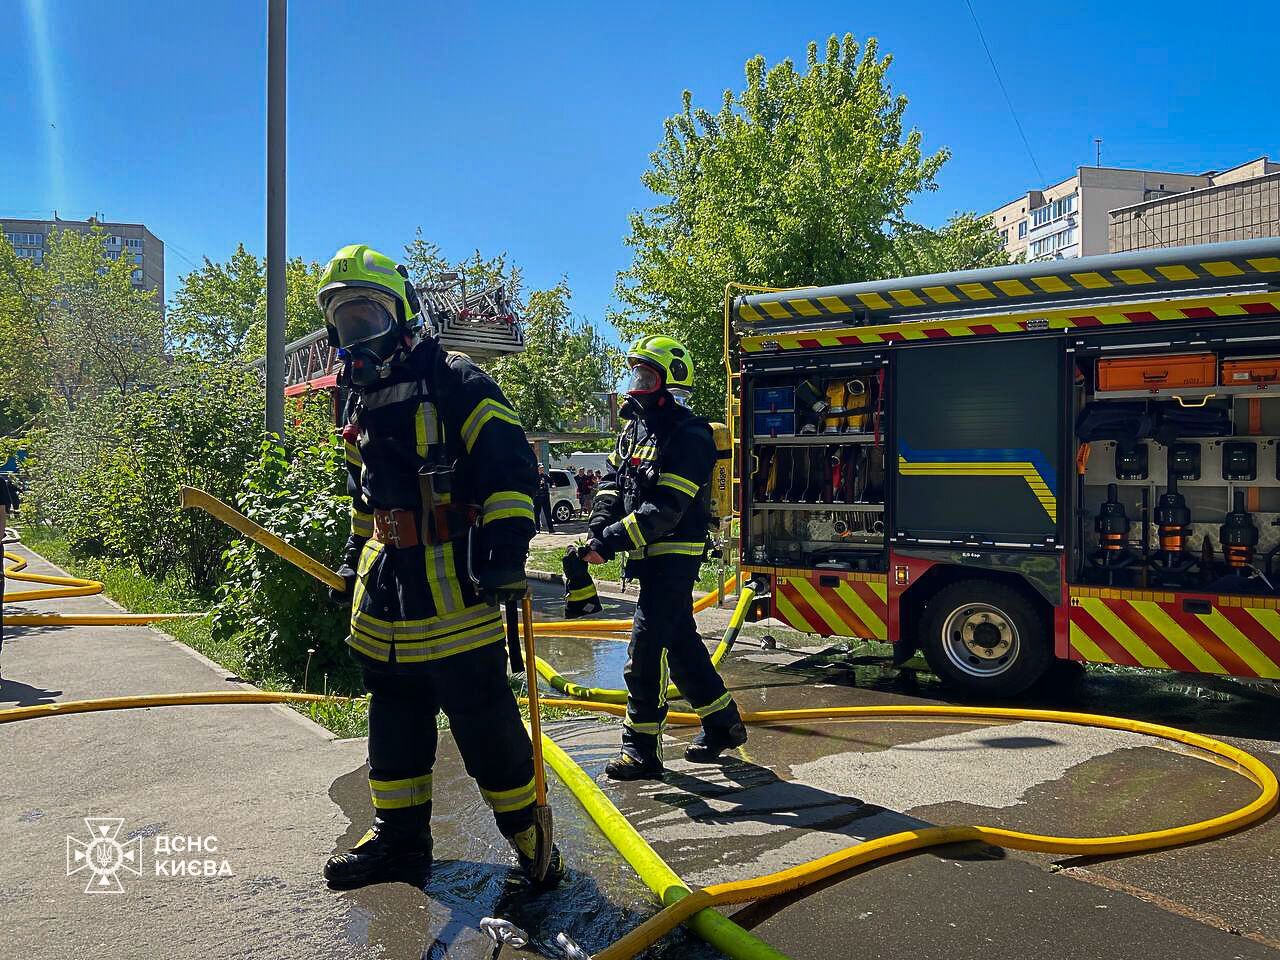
(113,241)
(1053,211)
(136,276)
(25,239)
(1051,244)
(133,244)
(1022,229)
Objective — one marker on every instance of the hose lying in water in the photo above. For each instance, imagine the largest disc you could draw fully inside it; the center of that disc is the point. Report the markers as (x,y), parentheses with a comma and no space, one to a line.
(694,908)
(558,627)
(599,695)
(69,587)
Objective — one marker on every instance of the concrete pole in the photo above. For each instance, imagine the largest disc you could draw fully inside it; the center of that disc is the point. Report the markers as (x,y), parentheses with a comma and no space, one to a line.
(277,13)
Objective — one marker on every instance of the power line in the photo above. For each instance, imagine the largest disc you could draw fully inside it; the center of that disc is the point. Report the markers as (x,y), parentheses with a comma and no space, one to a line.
(1013,113)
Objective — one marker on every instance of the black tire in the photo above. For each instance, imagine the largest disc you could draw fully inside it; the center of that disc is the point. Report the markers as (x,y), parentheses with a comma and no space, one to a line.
(985,639)
(563,512)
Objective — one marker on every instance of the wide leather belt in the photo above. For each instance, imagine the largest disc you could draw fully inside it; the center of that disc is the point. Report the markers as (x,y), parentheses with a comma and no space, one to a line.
(404,528)
(396,528)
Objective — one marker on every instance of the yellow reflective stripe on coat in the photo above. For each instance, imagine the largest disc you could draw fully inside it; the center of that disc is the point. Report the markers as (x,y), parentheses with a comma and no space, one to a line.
(398,794)
(461,642)
(505,801)
(374,649)
(486,410)
(719,703)
(677,482)
(582,593)
(429,627)
(351,452)
(361,523)
(507,504)
(683,548)
(632,526)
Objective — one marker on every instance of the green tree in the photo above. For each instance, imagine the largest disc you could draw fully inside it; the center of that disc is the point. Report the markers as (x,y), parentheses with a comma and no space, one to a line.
(219,312)
(799,179)
(74,324)
(965,242)
(566,363)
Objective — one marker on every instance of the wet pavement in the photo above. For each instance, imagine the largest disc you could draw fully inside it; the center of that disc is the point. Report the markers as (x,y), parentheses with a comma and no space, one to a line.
(283,796)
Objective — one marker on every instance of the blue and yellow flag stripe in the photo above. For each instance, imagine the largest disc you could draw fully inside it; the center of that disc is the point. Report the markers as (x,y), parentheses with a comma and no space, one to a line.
(1028,464)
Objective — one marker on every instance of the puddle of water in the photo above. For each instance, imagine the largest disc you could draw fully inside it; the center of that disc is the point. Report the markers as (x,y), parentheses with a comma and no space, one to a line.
(474,877)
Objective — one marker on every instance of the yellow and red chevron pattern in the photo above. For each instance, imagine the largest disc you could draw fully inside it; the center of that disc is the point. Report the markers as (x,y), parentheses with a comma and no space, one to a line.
(1061,319)
(1239,636)
(855,606)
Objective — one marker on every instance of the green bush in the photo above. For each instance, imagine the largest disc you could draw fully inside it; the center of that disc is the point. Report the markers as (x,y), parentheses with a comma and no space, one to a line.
(107,473)
(267,607)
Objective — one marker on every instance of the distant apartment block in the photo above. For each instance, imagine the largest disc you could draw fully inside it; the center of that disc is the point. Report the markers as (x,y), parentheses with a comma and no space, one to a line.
(1107,209)
(30,239)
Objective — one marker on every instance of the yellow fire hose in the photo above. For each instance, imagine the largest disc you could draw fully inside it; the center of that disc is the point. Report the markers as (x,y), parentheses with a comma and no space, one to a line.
(68,587)
(598,695)
(694,908)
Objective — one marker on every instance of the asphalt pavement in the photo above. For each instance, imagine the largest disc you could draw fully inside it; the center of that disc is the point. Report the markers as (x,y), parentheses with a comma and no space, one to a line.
(279,794)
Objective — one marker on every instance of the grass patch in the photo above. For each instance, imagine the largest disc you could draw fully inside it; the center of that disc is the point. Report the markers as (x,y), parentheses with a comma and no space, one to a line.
(140,594)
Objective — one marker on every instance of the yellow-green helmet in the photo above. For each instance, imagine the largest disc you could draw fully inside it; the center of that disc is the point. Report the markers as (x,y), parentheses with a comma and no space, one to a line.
(668,356)
(359,265)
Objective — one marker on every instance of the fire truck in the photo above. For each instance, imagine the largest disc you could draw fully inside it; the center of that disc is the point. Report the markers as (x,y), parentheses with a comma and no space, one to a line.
(1072,460)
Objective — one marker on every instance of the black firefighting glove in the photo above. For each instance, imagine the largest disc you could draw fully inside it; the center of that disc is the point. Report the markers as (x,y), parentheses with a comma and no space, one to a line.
(342,598)
(597,546)
(500,573)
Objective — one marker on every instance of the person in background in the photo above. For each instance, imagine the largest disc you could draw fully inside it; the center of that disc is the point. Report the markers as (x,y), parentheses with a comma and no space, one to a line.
(8,505)
(542,501)
(655,505)
(589,487)
(582,483)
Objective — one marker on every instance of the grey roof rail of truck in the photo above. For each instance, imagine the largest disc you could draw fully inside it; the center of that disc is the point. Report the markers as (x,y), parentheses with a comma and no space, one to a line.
(1243,264)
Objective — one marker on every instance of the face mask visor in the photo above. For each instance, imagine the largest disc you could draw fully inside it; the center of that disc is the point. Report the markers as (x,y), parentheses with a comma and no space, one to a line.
(645,380)
(360,318)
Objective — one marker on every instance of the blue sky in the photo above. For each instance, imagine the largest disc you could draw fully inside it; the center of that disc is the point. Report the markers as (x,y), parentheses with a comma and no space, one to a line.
(525,127)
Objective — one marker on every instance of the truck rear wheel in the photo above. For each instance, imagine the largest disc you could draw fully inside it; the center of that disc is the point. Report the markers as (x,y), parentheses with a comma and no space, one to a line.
(985,638)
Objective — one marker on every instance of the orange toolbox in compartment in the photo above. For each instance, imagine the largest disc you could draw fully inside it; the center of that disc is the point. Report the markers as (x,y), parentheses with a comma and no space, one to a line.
(1259,370)
(1158,373)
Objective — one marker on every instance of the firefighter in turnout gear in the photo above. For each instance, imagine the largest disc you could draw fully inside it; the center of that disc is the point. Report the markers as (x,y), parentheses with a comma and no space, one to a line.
(441,479)
(655,504)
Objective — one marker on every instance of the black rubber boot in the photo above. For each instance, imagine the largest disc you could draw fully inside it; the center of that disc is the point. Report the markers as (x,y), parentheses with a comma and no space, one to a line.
(384,853)
(627,766)
(525,845)
(713,741)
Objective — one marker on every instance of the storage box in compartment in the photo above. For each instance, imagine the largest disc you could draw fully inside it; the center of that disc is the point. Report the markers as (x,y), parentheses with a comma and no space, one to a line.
(1158,373)
(774,399)
(775,424)
(1259,370)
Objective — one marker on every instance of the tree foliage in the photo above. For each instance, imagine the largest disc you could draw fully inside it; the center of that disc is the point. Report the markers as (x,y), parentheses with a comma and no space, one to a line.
(798,179)
(108,472)
(220,310)
(567,362)
(268,608)
(965,242)
(74,324)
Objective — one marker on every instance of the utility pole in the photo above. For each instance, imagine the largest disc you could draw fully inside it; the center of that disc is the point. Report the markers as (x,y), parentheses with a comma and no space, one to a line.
(277,13)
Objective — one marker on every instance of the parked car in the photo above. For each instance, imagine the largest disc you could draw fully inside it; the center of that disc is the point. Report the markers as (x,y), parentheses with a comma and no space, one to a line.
(564,496)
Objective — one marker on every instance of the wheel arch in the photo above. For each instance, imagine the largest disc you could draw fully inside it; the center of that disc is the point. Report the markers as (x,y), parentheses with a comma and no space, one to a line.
(915,598)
